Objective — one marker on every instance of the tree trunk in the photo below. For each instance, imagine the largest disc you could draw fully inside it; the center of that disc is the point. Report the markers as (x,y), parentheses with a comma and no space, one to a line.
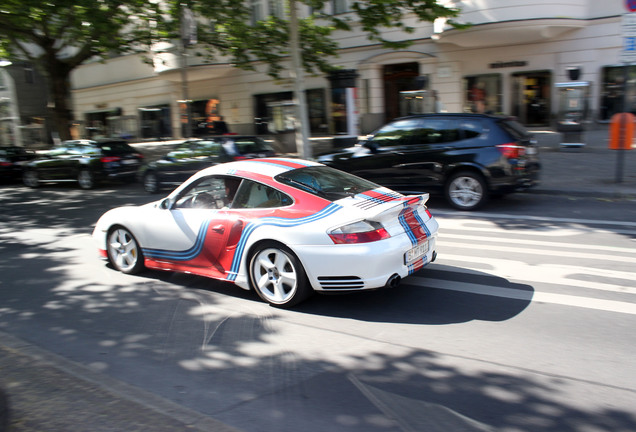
(59,91)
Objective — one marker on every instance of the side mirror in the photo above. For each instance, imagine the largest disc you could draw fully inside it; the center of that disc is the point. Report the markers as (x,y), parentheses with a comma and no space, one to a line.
(371,145)
(165,204)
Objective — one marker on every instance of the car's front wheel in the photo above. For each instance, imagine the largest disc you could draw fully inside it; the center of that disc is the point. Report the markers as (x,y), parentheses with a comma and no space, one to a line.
(86,179)
(151,183)
(124,253)
(466,190)
(277,275)
(30,178)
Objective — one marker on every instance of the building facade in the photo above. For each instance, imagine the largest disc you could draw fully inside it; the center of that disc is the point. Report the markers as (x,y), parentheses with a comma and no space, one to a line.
(520,57)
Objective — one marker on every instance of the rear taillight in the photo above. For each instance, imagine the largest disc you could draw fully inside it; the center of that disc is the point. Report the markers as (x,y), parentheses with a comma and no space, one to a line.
(139,155)
(108,159)
(5,164)
(511,150)
(359,232)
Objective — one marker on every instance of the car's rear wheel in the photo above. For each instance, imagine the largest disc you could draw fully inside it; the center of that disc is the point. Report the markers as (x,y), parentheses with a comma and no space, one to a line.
(123,251)
(86,179)
(151,183)
(277,275)
(31,178)
(466,190)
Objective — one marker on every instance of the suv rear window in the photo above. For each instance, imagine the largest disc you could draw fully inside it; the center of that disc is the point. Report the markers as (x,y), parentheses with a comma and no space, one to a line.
(514,128)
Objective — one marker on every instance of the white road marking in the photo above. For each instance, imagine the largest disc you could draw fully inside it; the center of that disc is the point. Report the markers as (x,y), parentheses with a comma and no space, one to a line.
(530,296)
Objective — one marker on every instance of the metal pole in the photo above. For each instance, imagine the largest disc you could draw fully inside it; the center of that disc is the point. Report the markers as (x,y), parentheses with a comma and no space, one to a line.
(184,88)
(620,155)
(302,118)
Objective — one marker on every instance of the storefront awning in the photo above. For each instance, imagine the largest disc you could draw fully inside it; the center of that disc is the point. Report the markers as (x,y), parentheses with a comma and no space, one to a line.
(508,33)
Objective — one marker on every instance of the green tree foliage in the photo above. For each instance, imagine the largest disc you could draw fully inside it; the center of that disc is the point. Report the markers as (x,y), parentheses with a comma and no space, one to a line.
(59,35)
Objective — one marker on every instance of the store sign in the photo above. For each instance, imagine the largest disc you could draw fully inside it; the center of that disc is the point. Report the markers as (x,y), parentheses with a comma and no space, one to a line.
(500,65)
(630,5)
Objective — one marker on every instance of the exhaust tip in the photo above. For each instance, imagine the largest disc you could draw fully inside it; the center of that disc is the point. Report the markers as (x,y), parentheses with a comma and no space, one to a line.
(393,281)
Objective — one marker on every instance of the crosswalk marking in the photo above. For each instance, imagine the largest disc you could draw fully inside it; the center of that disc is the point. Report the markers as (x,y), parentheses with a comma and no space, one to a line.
(530,296)
(558,261)
(526,242)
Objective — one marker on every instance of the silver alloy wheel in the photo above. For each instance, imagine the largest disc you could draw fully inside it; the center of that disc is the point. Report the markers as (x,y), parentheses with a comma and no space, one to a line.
(30,178)
(466,192)
(123,251)
(274,275)
(151,184)
(85,179)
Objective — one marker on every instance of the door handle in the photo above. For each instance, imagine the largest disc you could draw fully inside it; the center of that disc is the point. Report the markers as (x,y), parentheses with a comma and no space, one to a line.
(218,229)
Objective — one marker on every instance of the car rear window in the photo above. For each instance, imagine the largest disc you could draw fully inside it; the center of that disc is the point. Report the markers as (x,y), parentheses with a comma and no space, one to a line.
(116,147)
(326,182)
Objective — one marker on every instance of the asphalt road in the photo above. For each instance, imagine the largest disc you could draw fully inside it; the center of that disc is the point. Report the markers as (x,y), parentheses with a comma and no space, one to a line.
(524,323)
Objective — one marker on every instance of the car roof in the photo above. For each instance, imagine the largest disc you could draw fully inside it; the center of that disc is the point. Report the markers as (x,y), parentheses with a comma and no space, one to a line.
(269,167)
(457,115)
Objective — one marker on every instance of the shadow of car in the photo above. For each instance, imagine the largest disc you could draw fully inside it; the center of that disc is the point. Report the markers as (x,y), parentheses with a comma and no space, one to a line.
(465,157)
(194,155)
(87,162)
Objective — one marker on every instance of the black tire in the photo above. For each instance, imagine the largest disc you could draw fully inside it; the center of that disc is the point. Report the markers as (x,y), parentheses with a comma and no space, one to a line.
(86,179)
(124,252)
(30,178)
(466,190)
(277,275)
(151,182)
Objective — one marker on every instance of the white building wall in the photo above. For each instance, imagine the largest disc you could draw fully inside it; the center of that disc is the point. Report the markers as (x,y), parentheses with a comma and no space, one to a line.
(545,35)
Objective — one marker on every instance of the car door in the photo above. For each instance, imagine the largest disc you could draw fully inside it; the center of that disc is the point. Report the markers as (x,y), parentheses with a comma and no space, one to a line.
(406,153)
(191,232)
(56,164)
(424,160)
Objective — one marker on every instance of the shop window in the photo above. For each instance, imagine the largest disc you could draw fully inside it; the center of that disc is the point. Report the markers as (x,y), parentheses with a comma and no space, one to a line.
(340,6)
(482,94)
(613,91)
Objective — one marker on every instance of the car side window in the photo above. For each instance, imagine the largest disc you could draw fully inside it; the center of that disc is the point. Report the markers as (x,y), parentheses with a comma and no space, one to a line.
(208,148)
(207,193)
(398,133)
(435,131)
(257,195)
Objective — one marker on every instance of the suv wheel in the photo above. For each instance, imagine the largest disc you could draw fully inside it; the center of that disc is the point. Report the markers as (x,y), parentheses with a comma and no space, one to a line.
(466,190)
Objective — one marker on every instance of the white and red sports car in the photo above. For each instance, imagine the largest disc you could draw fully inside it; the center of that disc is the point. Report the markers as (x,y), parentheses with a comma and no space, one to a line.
(283,227)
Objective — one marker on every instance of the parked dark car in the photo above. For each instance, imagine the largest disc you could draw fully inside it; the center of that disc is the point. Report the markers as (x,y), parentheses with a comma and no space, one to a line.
(12,158)
(465,157)
(193,155)
(86,161)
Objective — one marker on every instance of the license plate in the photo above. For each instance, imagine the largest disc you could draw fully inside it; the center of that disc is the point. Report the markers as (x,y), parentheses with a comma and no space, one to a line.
(416,253)
(531,150)
(128,161)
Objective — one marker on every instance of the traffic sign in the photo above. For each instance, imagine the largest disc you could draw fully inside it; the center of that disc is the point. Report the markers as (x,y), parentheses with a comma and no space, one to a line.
(628,31)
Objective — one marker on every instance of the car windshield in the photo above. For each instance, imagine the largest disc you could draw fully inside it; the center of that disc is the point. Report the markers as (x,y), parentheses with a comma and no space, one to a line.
(247,145)
(326,182)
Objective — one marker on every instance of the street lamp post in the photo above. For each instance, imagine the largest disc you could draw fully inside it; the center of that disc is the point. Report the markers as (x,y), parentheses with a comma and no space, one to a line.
(302,118)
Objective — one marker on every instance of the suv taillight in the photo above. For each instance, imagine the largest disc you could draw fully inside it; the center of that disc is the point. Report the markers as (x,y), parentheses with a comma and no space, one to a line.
(511,150)
(107,159)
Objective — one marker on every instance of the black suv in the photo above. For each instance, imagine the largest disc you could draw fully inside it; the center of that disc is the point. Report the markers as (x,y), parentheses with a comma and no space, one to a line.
(466,157)
(194,155)
(85,161)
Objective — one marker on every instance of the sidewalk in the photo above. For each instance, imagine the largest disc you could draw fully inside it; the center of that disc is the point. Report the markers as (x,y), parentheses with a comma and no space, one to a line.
(46,392)
(591,170)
